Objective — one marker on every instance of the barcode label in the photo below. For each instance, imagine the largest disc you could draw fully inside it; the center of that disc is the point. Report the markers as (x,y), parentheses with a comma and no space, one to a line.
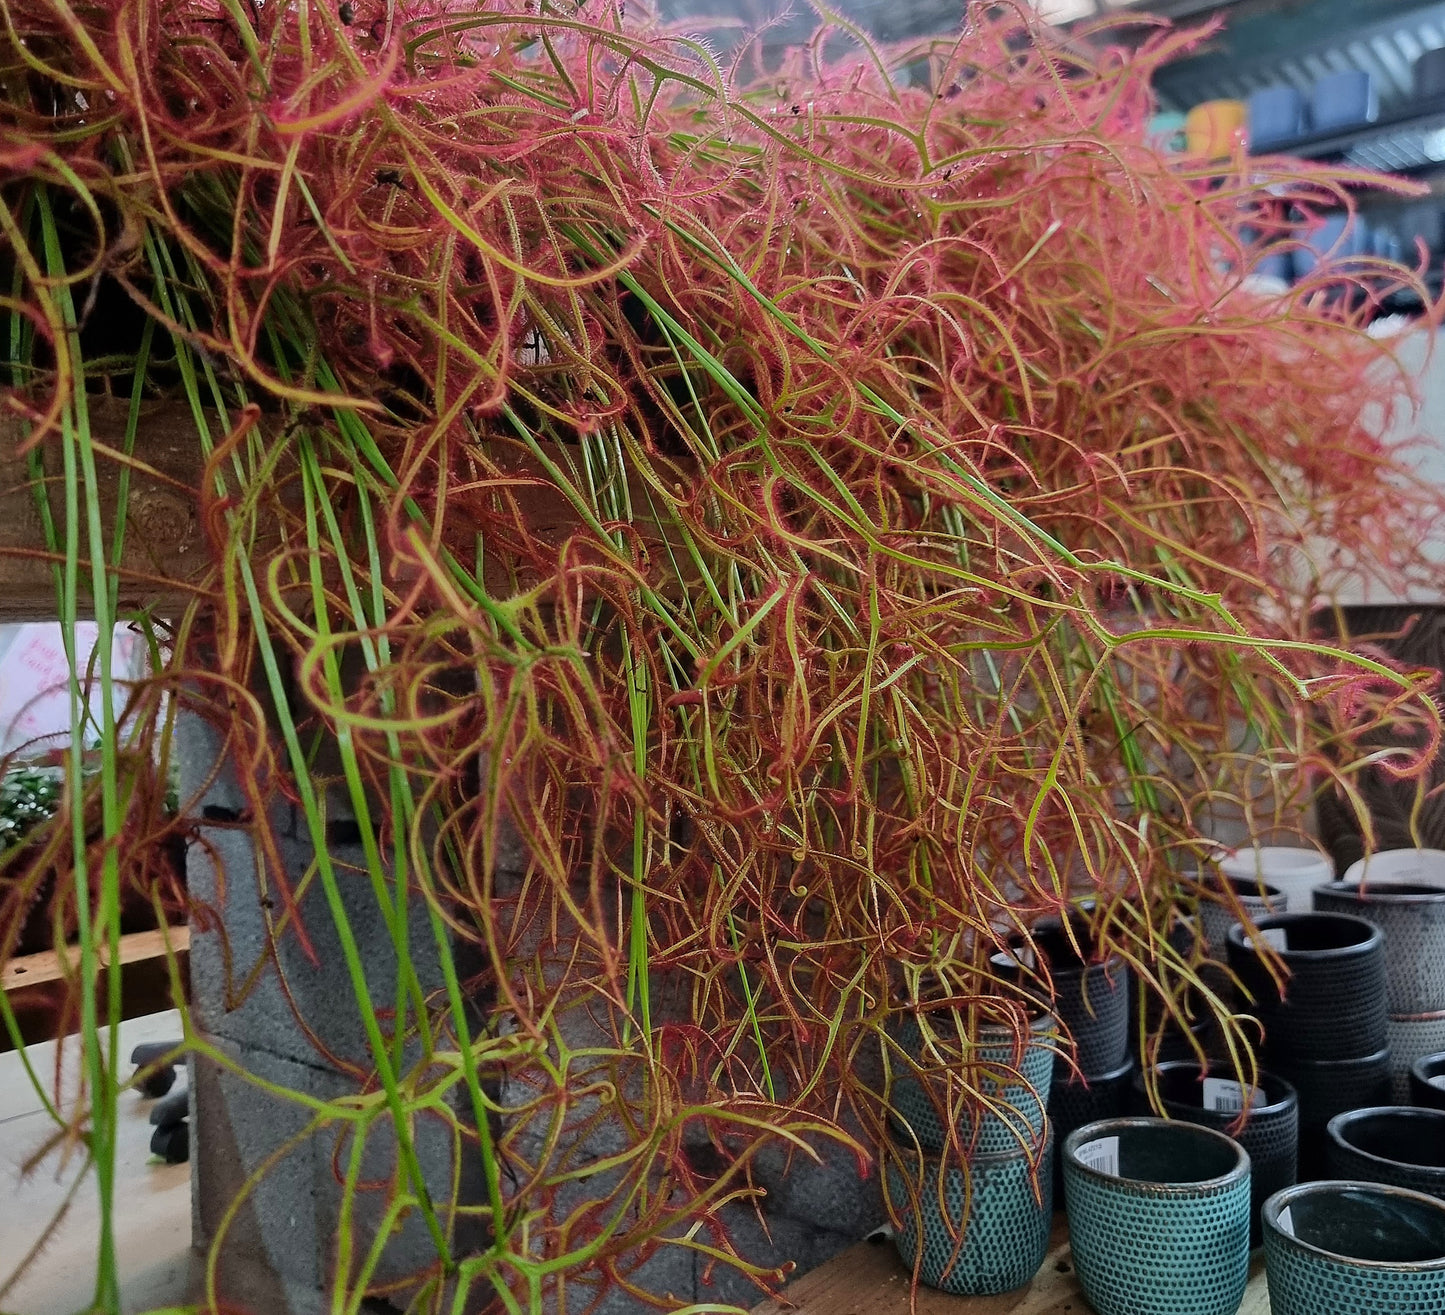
(1277,938)
(1286,1222)
(1101,1155)
(1227,1097)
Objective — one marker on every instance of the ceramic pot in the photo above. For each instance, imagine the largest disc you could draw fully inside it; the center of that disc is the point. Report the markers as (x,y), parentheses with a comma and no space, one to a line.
(1090,1000)
(1412,917)
(1001,1241)
(1334,1002)
(1075,1101)
(1427,1081)
(1224,898)
(1010,1090)
(1158,1217)
(1340,1248)
(1328,1087)
(1270,1134)
(1173,1040)
(1410,1040)
(1293,871)
(1395,1144)
(1414,867)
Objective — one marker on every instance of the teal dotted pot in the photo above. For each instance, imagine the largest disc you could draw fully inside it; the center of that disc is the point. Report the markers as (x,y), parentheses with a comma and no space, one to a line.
(1158,1217)
(997,1094)
(975,1228)
(1344,1248)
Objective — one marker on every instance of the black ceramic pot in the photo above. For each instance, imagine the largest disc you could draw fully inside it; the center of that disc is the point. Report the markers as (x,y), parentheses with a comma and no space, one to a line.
(1222,900)
(1334,1001)
(1424,1092)
(1270,1135)
(1090,1000)
(1166,1039)
(1074,1102)
(1395,1144)
(1328,1087)
(1412,918)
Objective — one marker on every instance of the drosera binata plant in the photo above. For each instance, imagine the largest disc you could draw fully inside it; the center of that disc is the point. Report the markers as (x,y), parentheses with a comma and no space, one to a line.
(828,522)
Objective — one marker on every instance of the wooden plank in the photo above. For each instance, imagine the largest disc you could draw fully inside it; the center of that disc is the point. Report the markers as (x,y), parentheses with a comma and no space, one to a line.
(869,1279)
(56,965)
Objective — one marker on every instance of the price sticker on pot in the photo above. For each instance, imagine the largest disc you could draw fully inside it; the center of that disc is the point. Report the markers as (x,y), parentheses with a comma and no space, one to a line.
(1227,1097)
(1101,1155)
(1277,938)
(1285,1222)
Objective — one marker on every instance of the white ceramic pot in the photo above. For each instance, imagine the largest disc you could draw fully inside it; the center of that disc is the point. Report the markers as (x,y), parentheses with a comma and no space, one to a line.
(1415,867)
(1294,872)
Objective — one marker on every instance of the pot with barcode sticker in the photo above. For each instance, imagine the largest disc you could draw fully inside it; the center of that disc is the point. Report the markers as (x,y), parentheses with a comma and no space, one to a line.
(1269,1131)
(1158,1217)
(1352,1248)
(1333,1002)
(1076,1100)
(1089,996)
(1224,900)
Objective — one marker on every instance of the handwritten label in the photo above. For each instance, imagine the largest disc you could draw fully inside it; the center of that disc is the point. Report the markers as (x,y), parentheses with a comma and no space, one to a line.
(1227,1097)
(1101,1155)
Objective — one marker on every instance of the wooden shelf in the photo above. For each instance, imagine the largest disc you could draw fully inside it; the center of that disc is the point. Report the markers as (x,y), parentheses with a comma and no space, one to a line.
(869,1279)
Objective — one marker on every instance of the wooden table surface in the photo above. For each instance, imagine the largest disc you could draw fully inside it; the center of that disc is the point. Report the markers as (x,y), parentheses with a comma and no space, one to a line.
(869,1279)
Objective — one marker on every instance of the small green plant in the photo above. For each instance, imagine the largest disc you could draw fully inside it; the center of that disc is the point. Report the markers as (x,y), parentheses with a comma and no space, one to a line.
(29,795)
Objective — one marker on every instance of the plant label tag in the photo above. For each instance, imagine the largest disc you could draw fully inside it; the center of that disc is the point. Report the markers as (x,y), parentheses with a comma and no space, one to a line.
(1277,938)
(1438,1082)
(1101,1155)
(1227,1097)
(1286,1222)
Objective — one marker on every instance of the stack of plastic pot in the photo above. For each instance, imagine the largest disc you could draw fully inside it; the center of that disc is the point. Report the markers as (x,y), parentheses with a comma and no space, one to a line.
(1090,999)
(1325,1033)
(1402,892)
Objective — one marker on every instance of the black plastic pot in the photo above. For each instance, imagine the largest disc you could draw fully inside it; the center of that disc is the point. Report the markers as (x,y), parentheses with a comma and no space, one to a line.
(1423,1092)
(1090,1000)
(1334,1001)
(1412,918)
(1074,1102)
(1395,1144)
(1271,1134)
